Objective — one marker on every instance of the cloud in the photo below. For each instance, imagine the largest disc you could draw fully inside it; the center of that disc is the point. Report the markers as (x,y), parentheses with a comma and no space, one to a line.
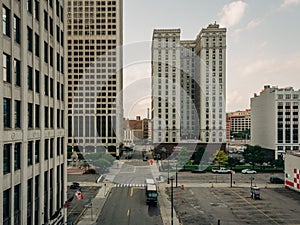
(287,3)
(251,25)
(232,13)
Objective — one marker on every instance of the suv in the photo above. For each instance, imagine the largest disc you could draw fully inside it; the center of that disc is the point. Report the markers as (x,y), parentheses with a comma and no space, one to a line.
(276,180)
(221,170)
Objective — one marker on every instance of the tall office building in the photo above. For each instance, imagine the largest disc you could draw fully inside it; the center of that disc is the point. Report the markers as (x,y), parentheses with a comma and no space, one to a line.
(211,66)
(95,77)
(188,86)
(32,99)
(166,85)
(275,119)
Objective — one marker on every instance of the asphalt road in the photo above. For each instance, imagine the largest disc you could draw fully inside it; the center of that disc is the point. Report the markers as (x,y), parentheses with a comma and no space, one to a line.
(234,206)
(127,205)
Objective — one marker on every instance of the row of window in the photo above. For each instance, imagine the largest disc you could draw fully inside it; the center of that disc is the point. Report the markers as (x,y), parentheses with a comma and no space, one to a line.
(14,196)
(91,3)
(12,115)
(13,151)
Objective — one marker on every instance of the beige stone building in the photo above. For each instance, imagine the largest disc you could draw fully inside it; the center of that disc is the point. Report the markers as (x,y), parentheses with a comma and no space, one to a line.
(32,100)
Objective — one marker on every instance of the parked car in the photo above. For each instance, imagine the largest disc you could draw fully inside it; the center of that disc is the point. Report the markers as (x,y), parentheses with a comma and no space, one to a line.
(75,185)
(276,180)
(221,170)
(249,171)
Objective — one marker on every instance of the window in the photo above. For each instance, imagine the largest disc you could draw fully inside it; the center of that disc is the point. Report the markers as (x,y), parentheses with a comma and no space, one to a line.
(17,114)
(17,31)
(29,6)
(46,117)
(37,9)
(51,87)
(46,83)
(29,153)
(29,38)
(46,52)
(30,78)
(17,72)
(7,112)
(37,44)
(6,158)
(6,207)
(6,20)
(37,81)
(30,115)
(6,68)
(17,159)
(46,149)
(51,117)
(37,116)
(17,204)
(37,152)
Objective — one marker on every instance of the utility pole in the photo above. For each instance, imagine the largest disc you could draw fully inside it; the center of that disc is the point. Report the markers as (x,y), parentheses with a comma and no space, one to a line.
(171,200)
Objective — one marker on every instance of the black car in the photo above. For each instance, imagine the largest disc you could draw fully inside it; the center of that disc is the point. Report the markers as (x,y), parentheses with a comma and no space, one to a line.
(276,180)
(75,185)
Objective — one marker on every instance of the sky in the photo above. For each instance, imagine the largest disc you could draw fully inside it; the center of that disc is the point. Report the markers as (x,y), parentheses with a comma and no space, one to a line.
(263,44)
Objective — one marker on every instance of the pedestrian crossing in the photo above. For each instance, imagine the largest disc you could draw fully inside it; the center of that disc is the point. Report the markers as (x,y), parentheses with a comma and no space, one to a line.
(129,185)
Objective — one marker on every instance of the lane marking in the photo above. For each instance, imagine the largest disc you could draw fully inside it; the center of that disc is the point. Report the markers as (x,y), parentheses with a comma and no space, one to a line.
(131,192)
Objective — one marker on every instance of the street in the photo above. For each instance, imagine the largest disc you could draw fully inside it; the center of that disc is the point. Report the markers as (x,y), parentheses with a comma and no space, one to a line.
(127,205)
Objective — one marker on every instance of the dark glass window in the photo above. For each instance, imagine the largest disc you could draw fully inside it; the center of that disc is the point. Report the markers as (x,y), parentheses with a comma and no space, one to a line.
(17,204)
(45,20)
(7,112)
(37,9)
(46,83)
(37,81)
(37,116)
(17,72)
(46,52)
(6,68)
(6,20)
(30,115)
(29,38)
(6,207)
(46,117)
(29,6)
(37,44)
(6,158)
(17,30)
(30,153)
(17,160)
(17,114)
(46,156)
(37,151)
(30,77)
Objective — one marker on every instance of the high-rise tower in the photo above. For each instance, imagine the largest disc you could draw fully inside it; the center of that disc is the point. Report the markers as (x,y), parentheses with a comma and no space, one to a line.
(32,99)
(95,77)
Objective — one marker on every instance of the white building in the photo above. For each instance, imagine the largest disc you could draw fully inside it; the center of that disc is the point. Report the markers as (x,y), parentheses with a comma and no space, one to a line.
(95,76)
(292,170)
(32,101)
(189,86)
(275,119)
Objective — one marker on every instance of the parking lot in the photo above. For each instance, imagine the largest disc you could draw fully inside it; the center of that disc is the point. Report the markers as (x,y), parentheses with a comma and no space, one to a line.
(232,206)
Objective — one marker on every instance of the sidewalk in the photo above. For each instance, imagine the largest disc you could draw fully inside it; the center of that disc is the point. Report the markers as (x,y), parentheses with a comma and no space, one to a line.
(91,214)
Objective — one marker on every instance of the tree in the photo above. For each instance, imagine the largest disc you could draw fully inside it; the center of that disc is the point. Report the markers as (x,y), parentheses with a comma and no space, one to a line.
(254,155)
(221,158)
(232,162)
(183,157)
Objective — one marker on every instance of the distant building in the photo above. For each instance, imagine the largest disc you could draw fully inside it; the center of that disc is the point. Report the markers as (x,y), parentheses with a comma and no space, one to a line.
(189,86)
(292,170)
(136,131)
(275,119)
(239,121)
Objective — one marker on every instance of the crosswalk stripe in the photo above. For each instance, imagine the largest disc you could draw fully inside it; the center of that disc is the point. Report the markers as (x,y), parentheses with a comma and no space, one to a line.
(129,185)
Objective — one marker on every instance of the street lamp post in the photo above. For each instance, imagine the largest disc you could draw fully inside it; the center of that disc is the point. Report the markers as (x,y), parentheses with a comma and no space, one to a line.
(171,200)
(176,177)
(168,171)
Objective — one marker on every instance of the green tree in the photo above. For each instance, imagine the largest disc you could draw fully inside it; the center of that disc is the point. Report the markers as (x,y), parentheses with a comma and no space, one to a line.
(232,162)
(254,155)
(221,158)
(183,157)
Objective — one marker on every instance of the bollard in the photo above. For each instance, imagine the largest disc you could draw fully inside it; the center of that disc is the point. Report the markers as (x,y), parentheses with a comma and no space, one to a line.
(182,187)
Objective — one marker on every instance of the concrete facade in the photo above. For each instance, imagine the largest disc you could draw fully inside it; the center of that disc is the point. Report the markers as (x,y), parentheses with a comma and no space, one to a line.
(189,86)
(275,119)
(32,99)
(95,74)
